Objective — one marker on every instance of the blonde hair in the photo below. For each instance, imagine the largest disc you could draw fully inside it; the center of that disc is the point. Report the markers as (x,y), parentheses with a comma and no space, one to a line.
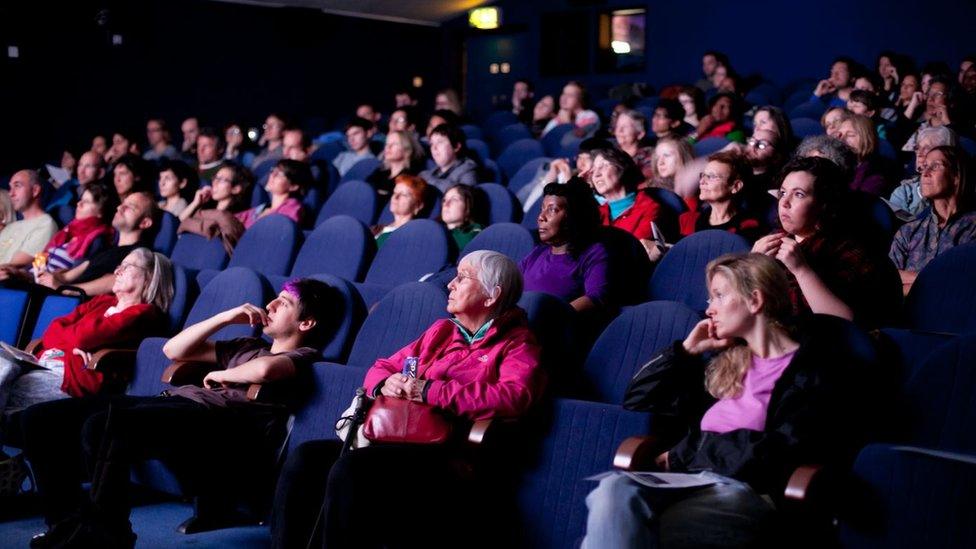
(866,135)
(747,273)
(7,213)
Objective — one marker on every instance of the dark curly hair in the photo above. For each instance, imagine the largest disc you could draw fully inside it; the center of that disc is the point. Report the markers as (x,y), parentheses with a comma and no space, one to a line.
(830,190)
(582,222)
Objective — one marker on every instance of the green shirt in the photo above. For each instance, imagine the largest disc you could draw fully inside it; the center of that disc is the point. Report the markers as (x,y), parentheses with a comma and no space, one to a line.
(465,233)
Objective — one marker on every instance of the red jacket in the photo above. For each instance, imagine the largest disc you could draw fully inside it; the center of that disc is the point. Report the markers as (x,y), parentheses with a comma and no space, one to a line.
(88,328)
(496,376)
(636,219)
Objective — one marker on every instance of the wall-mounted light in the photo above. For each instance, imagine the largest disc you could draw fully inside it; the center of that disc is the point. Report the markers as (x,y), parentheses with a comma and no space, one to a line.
(619,46)
(485,18)
(418,82)
(13,52)
(506,68)
(493,68)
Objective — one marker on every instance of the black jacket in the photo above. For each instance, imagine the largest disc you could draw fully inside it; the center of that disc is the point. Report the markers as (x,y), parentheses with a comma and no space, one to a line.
(820,411)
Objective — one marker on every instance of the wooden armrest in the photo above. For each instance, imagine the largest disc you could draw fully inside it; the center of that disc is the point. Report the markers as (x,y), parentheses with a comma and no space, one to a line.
(116,365)
(638,453)
(186,373)
(799,486)
(32,346)
(479,431)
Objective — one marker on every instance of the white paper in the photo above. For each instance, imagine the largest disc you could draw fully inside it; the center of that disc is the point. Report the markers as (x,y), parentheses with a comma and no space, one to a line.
(14,354)
(59,175)
(666,481)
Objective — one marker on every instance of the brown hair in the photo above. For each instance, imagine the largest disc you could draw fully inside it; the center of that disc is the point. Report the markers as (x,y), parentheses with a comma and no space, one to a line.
(865,133)
(747,273)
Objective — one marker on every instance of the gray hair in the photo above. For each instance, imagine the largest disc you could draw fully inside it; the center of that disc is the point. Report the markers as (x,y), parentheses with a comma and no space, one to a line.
(941,135)
(640,121)
(831,148)
(499,277)
(159,284)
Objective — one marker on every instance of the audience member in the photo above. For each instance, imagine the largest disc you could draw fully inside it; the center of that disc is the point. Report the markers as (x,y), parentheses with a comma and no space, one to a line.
(440,117)
(573,109)
(951,220)
(288,182)
(270,140)
(7,213)
(831,120)
(210,153)
(227,192)
(21,240)
(543,112)
(630,131)
(559,170)
(295,145)
(776,397)
(569,263)
(122,144)
(615,178)
(773,119)
(402,155)
(130,175)
(190,128)
(523,100)
(718,207)
(91,167)
(160,141)
(711,61)
(833,272)
(404,119)
(457,210)
(404,97)
(406,202)
(177,183)
(99,146)
(692,101)
(907,199)
(670,155)
(481,363)
(358,132)
(452,167)
(832,149)
(835,89)
(208,428)
(448,100)
(722,119)
(859,134)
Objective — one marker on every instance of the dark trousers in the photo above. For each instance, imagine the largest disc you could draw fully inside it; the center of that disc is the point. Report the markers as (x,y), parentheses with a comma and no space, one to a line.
(378,496)
(216,453)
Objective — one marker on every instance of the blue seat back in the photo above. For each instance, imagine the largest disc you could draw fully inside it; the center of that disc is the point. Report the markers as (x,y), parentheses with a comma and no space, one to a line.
(580,442)
(353,198)
(510,134)
(479,148)
(52,307)
(361,170)
(526,173)
(942,397)
(185,291)
(269,246)
(399,318)
(943,297)
(13,303)
(668,199)
(196,252)
(497,204)
(326,152)
(510,239)
(968,145)
(530,220)
(709,145)
(680,276)
(472,132)
(348,317)
(517,154)
(906,350)
(331,391)
(552,140)
(230,288)
(419,247)
(498,120)
(808,109)
(553,321)
(805,127)
(340,246)
(165,239)
(629,342)
(65,214)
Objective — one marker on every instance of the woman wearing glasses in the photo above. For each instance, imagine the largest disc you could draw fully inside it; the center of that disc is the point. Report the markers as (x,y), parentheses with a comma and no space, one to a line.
(141,295)
(720,186)
(950,221)
(832,272)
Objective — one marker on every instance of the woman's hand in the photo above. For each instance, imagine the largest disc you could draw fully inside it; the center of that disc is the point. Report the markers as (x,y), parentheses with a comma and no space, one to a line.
(406,387)
(203,195)
(768,245)
(703,339)
(85,356)
(790,255)
(49,280)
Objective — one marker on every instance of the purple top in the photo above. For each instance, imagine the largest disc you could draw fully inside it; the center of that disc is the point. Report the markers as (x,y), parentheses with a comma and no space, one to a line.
(748,410)
(291,208)
(868,178)
(565,277)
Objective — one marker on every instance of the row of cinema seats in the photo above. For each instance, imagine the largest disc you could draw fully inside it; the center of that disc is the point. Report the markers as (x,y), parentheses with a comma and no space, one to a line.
(578,431)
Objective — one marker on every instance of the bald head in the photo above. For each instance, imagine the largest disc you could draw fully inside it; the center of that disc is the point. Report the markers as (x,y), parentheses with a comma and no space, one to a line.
(25,191)
(91,167)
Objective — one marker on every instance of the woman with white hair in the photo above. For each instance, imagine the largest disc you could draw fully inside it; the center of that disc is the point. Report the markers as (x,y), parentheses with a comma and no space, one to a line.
(141,295)
(481,363)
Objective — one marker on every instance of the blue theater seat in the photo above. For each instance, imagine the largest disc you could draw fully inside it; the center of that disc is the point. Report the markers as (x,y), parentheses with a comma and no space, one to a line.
(361,170)
(680,275)
(419,248)
(526,173)
(510,239)
(165,239)
(516,154)
(805,127)
(552,140)
(197,253)
(943,297)
(497,204)
(341,246)
(709,145)
(268,247)
(352,198)
(510,134)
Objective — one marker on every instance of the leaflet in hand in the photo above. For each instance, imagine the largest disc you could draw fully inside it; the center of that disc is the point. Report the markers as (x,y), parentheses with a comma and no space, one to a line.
(667,481)
(14,354)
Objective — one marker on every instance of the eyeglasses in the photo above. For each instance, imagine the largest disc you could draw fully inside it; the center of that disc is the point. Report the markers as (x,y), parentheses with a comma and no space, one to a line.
(125,266)
(760,144)
(711,177)
(938,165)
(933,94)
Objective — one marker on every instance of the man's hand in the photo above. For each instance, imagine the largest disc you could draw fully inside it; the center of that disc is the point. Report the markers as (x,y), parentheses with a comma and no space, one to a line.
(824,87)
(49,280)
(215,379)
(246,314)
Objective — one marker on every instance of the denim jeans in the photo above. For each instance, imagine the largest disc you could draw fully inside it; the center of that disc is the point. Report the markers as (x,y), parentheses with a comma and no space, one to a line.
(625,514)
(21,386)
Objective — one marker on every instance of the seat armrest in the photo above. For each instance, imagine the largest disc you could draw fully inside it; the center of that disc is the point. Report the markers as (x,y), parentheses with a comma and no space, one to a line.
(639,453)
(115,364)
(480,430)
(801,483)
(32,346)
(187,373)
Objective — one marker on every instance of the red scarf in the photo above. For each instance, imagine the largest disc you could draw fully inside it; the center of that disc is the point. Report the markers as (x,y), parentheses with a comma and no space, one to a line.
(79,234)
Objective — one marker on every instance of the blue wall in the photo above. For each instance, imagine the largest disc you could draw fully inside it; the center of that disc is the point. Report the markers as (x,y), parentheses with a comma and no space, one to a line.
(783,40)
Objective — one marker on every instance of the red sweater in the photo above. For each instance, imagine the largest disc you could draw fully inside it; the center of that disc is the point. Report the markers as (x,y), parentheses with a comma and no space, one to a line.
(636,219)
(87,328)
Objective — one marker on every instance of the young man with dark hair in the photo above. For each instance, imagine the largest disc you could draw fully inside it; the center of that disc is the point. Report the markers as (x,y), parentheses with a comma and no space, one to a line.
(668,120)
(220,444)
(452,167)
(210,153)
(358,132)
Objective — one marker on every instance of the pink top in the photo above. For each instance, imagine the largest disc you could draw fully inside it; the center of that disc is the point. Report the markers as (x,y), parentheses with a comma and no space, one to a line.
(290,208)
(748,410)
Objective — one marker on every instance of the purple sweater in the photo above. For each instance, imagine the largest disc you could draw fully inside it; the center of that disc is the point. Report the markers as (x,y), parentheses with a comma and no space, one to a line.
(566,277)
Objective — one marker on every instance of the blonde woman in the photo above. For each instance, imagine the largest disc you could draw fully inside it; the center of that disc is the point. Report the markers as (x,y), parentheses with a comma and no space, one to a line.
(7,213)
(858,133)
(402,155)
(772,402)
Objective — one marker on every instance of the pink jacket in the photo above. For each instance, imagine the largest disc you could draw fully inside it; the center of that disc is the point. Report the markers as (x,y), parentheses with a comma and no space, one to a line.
(496,376)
